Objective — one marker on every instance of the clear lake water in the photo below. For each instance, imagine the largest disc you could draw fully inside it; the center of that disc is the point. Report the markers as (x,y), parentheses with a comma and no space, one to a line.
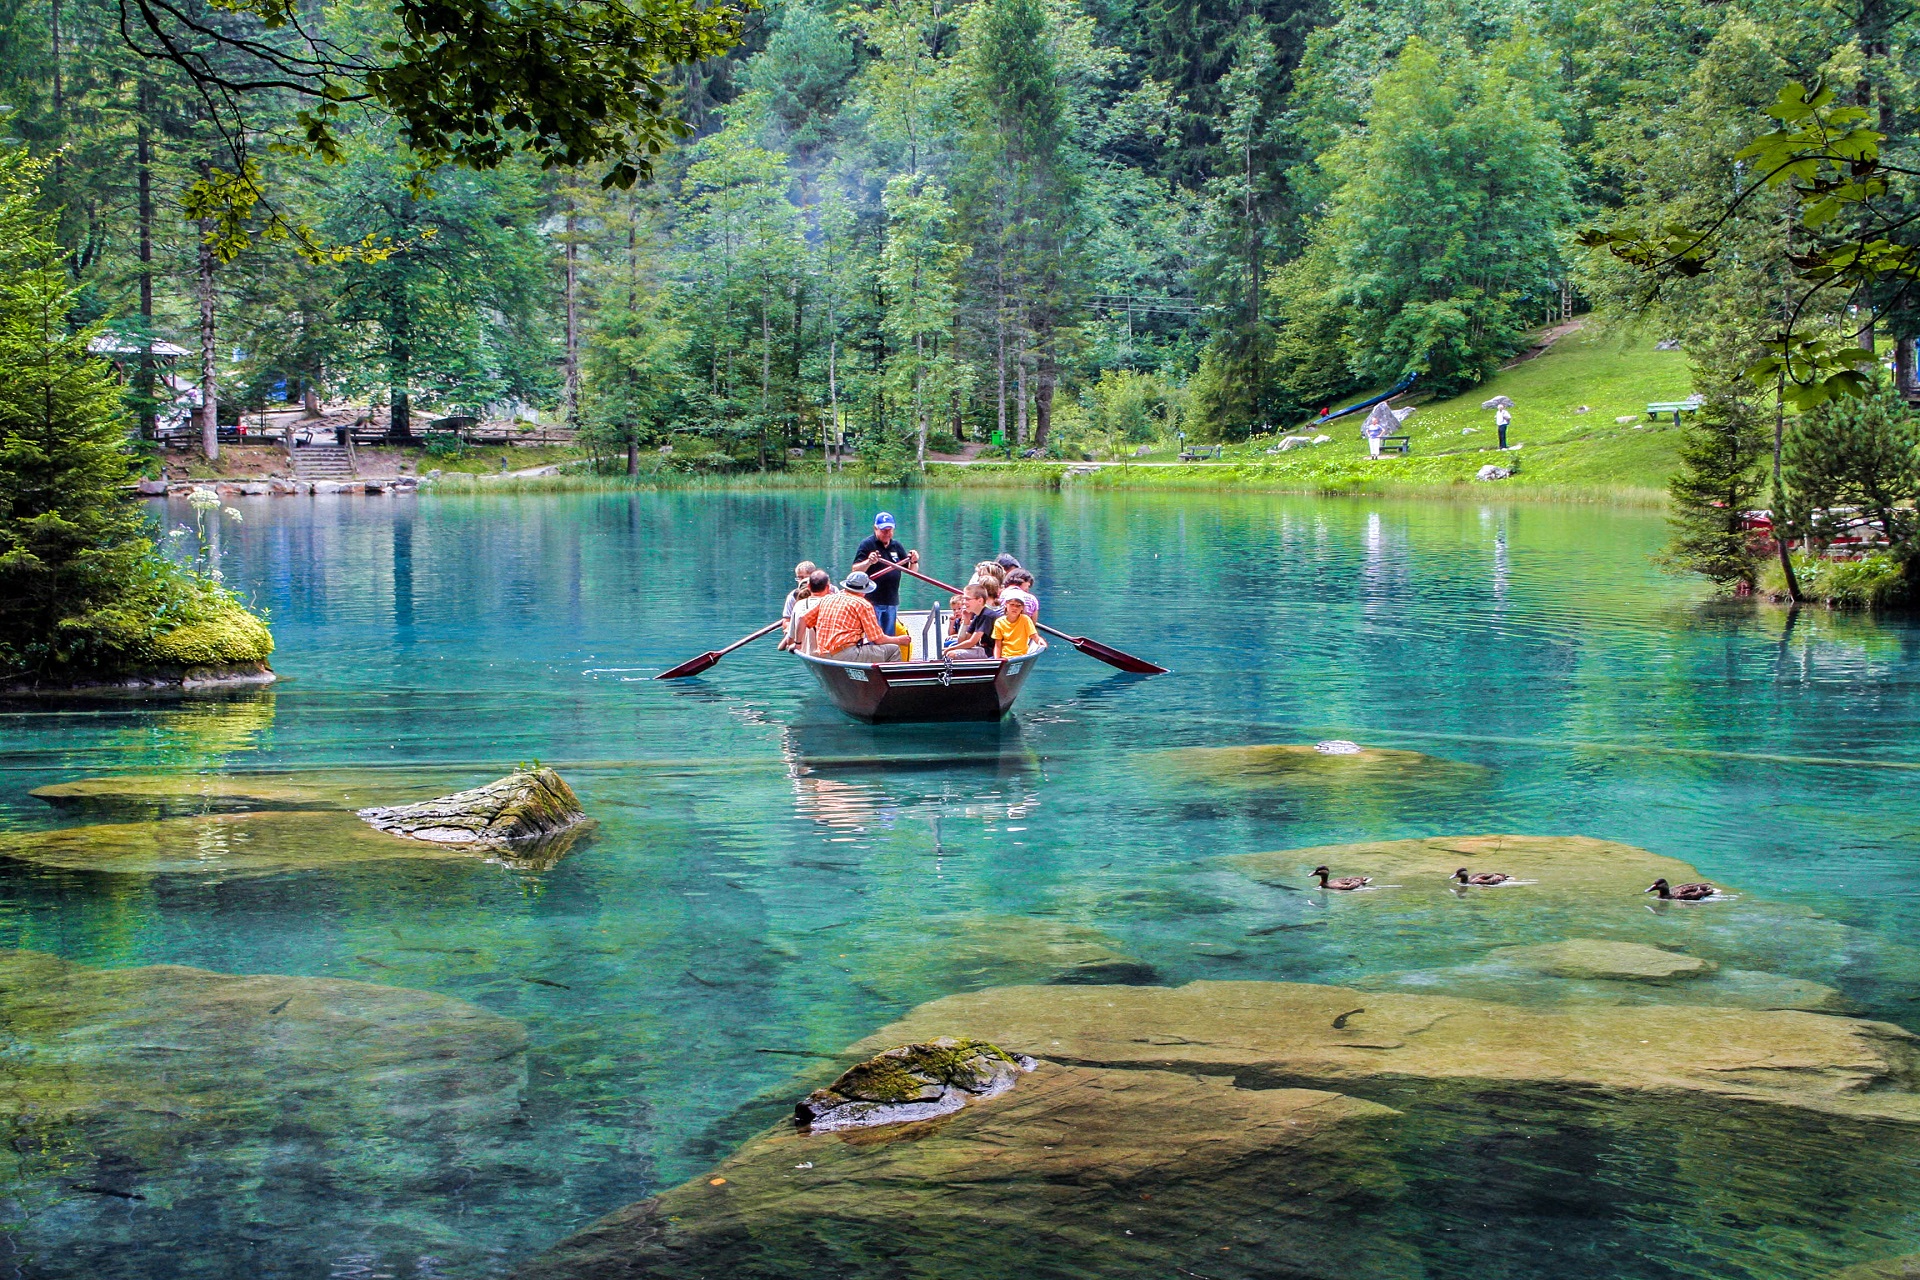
(770,881)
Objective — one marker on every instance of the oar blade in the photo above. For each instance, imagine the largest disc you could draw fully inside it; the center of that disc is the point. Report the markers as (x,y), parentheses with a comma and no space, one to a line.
(691,667)
(1115,658)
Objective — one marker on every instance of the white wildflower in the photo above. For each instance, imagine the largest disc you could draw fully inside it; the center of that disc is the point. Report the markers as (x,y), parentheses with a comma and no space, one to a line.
(204,499)
(233,514)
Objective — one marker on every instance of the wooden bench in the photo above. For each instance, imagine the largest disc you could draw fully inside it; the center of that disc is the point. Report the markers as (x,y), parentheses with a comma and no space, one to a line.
(1675,407)
(1200,452)
(1396,444)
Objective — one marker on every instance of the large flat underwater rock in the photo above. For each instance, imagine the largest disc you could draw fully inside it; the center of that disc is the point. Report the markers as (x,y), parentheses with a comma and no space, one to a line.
(168,1101)
(1568,888)
(223,845)
(1077,1172)
(1339,1038)
(1284,764)
(169,795)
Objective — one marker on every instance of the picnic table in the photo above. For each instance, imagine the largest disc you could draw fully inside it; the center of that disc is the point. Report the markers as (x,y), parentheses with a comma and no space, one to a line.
(1675,407)
(1396,444)
(1200,452)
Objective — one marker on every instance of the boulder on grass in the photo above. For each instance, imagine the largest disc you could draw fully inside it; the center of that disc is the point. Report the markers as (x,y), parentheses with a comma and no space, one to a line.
(529,805)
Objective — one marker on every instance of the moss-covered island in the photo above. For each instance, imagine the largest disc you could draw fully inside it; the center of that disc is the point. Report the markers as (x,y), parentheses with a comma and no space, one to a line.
(86,598)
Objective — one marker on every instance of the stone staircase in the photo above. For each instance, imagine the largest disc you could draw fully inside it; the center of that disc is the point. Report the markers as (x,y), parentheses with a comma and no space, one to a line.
(322,462)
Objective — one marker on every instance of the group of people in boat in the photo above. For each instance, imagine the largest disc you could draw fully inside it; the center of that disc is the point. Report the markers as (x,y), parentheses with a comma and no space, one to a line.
(858,621)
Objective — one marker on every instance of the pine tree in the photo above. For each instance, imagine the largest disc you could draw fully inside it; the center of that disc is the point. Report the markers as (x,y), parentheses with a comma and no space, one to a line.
(82,590)
(1720,477)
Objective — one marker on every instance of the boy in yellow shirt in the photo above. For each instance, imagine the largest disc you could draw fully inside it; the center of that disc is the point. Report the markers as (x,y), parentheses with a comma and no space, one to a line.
(1014,633)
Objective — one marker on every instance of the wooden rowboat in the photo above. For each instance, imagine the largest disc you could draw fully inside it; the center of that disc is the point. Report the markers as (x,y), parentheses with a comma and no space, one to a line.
(922,691)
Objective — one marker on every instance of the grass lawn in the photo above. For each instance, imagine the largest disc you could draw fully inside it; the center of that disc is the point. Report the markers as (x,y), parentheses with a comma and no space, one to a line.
(1565,452)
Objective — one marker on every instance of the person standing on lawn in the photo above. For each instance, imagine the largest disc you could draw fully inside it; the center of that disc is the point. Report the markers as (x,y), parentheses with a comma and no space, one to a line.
(1502,417)
(876,552)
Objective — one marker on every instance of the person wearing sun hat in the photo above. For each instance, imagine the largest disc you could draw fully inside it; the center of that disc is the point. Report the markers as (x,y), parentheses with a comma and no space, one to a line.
(875,552)
(844,627)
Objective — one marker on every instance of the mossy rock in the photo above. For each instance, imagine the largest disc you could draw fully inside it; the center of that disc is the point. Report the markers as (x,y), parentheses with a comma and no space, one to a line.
(526,806)
(1078,1172)
(227,636)
(231,845)
(911,1082)
(228,1103)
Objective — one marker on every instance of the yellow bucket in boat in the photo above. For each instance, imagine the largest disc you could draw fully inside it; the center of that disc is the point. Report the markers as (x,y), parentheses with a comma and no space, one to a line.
(905,642)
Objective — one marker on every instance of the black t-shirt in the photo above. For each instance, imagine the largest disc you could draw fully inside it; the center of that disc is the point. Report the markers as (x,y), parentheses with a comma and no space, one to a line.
(983,623)
(886,589)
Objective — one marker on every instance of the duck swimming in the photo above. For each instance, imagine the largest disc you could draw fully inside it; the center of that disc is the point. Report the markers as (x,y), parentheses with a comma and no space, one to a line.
(1343,883)
(1481,877)
(1681,892)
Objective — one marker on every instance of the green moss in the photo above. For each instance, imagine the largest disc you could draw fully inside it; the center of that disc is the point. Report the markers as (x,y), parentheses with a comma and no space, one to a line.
(904,1074)
(228,635)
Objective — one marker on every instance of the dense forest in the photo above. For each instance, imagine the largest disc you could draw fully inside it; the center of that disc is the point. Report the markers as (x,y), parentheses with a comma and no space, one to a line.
(898,223)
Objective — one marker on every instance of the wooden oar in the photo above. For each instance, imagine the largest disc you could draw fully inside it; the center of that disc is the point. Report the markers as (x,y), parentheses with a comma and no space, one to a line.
(1092,648)
(694,666)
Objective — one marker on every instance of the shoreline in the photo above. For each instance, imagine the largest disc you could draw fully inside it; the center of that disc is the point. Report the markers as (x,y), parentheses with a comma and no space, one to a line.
(1068,477)
(152,679)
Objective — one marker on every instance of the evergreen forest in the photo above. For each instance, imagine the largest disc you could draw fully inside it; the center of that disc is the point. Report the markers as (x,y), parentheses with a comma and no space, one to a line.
(895,225)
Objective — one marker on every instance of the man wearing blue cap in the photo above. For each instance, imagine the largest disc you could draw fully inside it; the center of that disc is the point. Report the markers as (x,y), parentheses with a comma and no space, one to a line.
(879,550)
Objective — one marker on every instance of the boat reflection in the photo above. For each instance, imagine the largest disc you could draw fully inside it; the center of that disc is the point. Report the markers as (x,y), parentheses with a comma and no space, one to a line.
(850,777)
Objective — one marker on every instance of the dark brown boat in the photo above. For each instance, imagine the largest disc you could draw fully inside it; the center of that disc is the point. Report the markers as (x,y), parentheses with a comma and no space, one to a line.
(922,691)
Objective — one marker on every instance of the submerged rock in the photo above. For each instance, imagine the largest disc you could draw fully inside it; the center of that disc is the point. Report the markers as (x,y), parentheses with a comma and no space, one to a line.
(1566,887)
(945,953)
(182,794)
(1080,1172)
(226,1102)
(528,805)
(1599,958)
(911,1082)
(1334,1037)
(228,845)
(1335,761)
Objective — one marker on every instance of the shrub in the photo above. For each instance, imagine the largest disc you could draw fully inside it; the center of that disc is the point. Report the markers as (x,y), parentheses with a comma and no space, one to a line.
(1871,582)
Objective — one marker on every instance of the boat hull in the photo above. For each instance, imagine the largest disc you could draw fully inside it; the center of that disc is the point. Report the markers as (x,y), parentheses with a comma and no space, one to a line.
(923,692)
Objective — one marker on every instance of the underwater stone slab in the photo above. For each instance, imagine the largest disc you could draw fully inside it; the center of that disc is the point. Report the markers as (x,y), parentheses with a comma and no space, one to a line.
(1079,1172)
(186,794)
(1600,958)
(224,1101)
(1568,887)
(943,953)
(1499,982)
(228,845)
(531,804)
(1340,1038)
(1306,763)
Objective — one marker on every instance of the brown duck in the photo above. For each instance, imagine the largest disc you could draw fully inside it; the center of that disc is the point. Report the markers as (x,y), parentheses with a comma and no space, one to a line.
(1481,877)
(1343,883)
(1681,892)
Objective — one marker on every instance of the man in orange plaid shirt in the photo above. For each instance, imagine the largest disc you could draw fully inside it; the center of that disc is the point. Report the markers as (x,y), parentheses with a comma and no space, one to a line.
(845,628)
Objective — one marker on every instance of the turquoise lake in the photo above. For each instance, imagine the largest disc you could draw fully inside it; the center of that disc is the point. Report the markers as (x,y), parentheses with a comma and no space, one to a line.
(770,882)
